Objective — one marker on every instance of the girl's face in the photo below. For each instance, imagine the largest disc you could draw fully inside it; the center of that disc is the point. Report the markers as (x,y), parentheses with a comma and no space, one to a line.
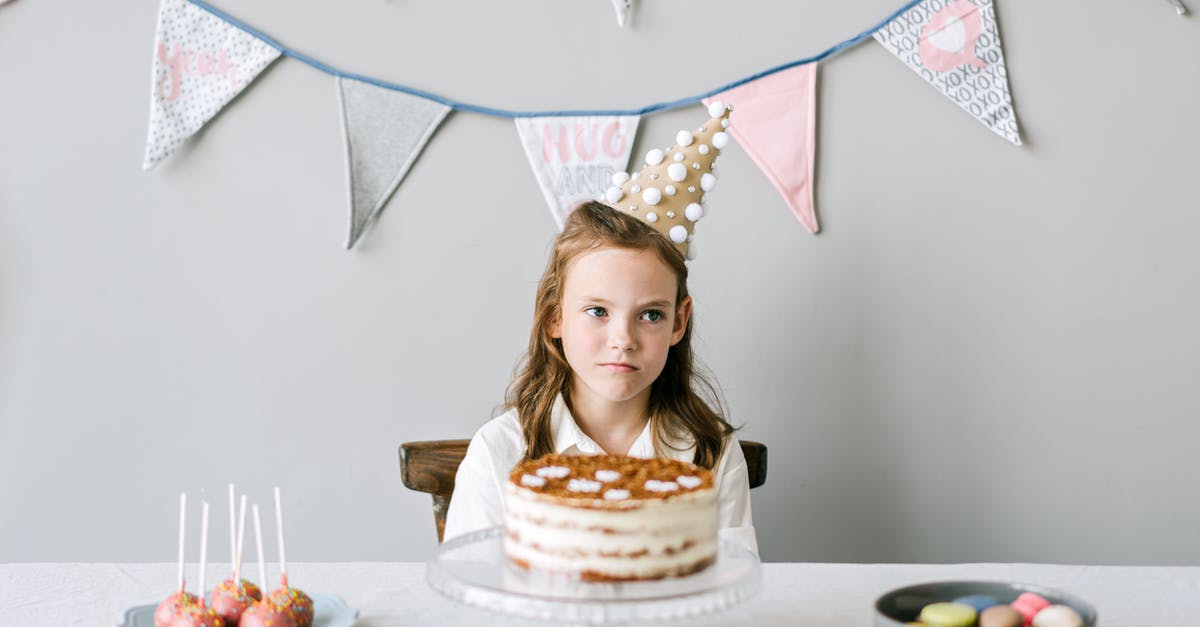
(617,321)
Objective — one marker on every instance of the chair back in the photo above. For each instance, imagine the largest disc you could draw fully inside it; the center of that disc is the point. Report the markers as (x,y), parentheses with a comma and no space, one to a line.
(430,466)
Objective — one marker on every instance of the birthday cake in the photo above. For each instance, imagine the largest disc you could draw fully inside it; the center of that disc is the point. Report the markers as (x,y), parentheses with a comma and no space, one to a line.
(610,517)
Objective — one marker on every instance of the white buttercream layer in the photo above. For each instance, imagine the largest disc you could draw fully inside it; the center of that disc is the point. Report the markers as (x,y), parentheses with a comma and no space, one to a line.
(640,538)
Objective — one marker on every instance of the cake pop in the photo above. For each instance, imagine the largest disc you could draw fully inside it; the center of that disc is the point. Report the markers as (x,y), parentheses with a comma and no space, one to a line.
(198,614)
(252,590)
(266,614)
(165,613)
(292,601)
(229,601)
(230,598)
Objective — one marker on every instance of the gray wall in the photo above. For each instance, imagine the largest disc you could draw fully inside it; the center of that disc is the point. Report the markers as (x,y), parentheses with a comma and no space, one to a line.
(990,353)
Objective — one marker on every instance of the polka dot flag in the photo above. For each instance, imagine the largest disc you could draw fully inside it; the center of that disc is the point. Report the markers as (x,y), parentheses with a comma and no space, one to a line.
(201,62)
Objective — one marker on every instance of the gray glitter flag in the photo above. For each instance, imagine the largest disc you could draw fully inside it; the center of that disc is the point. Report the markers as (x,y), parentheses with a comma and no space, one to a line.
(385,131)
(955,46)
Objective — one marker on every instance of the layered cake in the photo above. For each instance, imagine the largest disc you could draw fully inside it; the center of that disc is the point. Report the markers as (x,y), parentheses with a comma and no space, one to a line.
(610,517)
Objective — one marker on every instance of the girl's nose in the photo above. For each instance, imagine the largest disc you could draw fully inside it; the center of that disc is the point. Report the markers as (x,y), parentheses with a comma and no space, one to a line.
(620,339)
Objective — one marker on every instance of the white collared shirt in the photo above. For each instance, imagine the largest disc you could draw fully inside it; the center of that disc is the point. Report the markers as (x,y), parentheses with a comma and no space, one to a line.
(478,500)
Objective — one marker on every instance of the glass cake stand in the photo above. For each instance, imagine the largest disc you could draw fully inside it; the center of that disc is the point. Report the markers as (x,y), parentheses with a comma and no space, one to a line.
(473,570)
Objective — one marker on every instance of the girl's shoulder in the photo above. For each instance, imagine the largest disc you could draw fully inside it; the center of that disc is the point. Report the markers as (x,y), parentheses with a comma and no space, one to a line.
(731,455)
(500,437)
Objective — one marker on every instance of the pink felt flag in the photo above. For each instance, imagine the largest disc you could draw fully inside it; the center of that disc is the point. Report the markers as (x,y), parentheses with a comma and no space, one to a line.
(774,120)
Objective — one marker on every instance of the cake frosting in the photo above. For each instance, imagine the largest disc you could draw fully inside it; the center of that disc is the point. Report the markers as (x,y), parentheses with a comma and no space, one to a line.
(610,517)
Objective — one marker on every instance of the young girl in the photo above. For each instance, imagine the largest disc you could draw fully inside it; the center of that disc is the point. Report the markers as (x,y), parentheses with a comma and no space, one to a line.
(608,371)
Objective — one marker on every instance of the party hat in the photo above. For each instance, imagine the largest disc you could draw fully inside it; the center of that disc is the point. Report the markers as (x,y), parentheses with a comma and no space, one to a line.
(666,194)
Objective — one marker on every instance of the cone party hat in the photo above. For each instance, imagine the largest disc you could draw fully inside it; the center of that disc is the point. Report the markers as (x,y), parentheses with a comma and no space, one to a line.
(666,194)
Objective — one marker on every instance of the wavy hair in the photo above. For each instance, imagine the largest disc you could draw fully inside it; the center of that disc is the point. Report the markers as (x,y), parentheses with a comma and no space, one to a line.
(682,400)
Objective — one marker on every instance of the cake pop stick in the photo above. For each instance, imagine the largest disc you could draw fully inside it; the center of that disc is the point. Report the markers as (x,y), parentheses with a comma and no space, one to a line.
(279,535)
(241,533)
(182,533)
(166,612)
(203,544)
(232,531)
(262,568)
(231,598)
(198,614)
(297,605)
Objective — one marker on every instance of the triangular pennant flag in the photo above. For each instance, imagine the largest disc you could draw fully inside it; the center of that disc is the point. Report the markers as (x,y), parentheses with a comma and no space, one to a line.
(575,158)
(201,62)
(955,46)
(385,131)
(623,9)
(774,120)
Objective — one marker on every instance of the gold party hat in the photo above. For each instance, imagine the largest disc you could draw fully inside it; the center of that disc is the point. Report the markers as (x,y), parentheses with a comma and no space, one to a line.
(666,193)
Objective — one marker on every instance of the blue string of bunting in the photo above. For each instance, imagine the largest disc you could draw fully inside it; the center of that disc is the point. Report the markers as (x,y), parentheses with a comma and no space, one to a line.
(508,113)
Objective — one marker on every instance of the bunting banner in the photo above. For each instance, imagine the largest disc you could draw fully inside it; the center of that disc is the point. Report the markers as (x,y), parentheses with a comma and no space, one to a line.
(955,46)
(385,131)
(203,58)
(575,157)
(201,62)
(623,8)
(774,120)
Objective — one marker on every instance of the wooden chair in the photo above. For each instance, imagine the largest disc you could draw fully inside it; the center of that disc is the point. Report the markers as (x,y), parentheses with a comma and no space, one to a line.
(430,467)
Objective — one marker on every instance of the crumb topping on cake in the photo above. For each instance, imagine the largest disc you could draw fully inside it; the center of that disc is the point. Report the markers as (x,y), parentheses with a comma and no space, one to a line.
(610,477)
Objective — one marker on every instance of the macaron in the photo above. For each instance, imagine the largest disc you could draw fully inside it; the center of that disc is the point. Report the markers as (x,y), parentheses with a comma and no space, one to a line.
(1000,616)
(947,615)
(1058,616)
(1029,604)
(978,601)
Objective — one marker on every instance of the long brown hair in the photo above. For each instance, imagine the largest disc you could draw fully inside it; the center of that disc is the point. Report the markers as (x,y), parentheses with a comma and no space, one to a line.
(679,398)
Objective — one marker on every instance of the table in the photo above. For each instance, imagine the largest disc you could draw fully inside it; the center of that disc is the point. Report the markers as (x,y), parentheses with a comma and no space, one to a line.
(394,594)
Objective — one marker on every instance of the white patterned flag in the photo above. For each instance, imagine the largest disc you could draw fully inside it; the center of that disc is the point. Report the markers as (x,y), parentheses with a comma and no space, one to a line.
(574,158)
(201,62)
(774,120)
(385,131)
(955,46)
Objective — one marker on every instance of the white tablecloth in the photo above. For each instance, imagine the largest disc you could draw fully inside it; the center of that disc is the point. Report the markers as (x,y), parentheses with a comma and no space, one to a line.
(392,594)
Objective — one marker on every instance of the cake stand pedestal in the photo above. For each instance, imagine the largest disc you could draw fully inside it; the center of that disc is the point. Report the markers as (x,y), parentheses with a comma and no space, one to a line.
(473,570)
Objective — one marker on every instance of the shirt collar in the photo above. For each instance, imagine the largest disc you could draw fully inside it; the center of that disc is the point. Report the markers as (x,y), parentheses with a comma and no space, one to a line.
(567,434)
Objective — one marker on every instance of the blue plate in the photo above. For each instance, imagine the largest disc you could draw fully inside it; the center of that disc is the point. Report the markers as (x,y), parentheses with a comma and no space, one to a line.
(329,610)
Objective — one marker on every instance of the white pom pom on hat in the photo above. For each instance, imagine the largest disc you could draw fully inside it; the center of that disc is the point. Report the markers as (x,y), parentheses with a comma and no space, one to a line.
(676,207)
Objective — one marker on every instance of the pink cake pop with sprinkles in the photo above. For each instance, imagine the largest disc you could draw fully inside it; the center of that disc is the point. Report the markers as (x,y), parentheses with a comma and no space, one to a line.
(165,613)
(198,614)
(230,598)
(252,590)
(264,613)
(293,601)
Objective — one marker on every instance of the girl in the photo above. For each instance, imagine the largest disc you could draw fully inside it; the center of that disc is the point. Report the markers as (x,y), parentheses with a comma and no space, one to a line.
(608,370)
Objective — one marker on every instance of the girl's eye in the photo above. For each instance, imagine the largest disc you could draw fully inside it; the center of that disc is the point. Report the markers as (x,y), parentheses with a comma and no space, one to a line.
(653,315)
(595,312)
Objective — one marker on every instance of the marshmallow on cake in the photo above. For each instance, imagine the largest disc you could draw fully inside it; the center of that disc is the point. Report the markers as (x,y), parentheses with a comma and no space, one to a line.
(610,517)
